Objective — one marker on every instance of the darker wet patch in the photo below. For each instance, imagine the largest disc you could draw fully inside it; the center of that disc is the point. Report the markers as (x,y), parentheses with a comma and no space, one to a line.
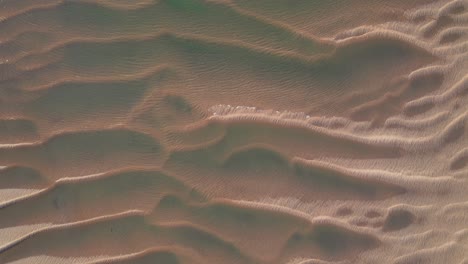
(206,240)
(457,9)
(170,202)
(419,109)
(373,214)
(163,257)
(256,158)
(450,37)
(21,177)
(102,146)
(17,130)
(441,22)
(343,184)
(459,162)
(344,211)
(377,224)
(178,103)
(398,219)
(420,18)
(75,101)
(362,223)
(334,240)
(225,213)
(425,83)
(454,134)
(57,203)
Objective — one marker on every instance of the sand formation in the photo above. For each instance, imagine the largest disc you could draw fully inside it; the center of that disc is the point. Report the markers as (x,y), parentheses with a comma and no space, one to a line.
(233,131)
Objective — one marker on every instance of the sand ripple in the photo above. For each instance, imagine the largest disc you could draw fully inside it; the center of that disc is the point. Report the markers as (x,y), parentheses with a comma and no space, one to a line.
(233,131)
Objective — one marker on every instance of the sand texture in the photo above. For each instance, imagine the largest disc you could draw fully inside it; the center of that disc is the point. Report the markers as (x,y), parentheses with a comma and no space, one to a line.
(234,131)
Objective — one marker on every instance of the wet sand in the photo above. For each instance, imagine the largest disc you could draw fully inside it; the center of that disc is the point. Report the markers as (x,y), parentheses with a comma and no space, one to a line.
(233,131)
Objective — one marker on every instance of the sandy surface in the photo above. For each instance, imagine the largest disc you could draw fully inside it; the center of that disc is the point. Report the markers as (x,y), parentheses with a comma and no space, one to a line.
(234,131)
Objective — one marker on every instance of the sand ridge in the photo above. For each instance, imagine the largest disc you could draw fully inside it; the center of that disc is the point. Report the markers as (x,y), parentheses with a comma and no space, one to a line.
(213,131)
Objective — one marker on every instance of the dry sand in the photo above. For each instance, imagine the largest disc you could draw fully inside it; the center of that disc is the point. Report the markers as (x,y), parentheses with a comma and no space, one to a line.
(234,131)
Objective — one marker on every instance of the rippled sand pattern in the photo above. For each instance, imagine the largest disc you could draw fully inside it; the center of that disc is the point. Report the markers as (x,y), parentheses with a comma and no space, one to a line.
(234,131)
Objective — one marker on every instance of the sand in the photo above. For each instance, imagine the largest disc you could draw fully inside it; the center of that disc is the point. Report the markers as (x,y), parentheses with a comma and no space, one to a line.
(234,131)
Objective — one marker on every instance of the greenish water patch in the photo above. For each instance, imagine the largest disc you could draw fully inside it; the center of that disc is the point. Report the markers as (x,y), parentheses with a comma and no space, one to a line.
(187,5)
